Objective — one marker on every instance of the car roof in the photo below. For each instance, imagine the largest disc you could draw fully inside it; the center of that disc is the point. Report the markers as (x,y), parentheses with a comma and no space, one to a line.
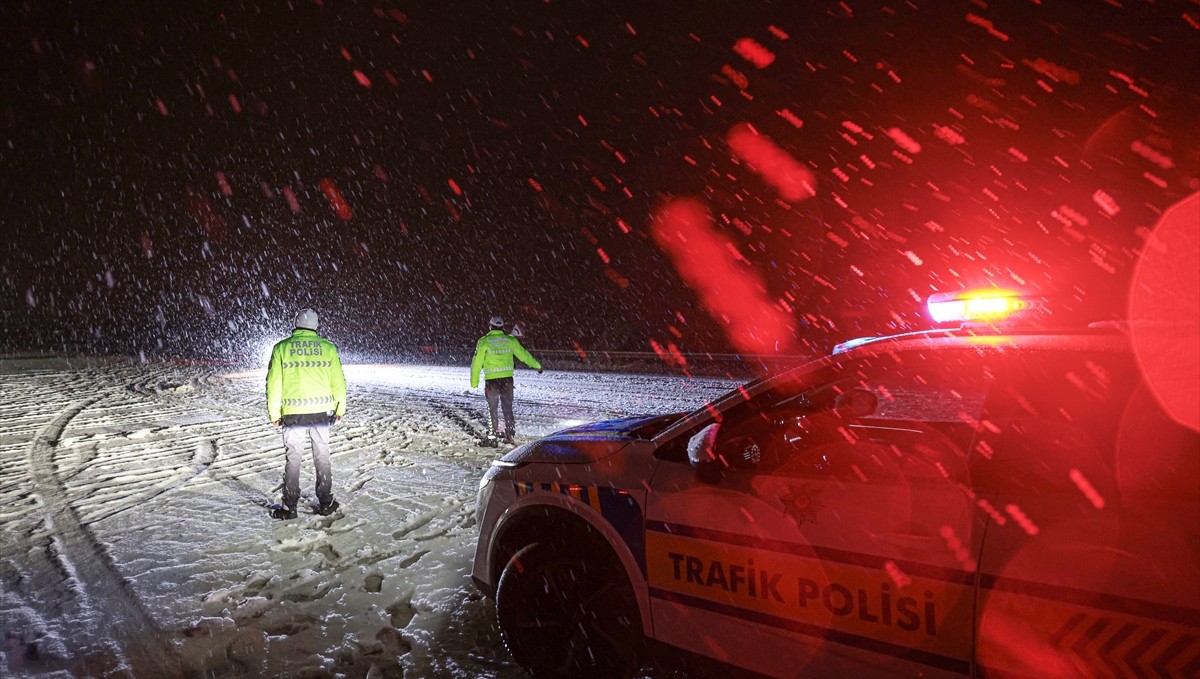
(1096,338)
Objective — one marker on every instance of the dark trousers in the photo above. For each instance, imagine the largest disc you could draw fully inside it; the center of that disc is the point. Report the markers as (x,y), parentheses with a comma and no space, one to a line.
(500,392)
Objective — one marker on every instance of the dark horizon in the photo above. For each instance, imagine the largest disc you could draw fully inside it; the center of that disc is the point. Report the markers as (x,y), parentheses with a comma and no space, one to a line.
(182,180)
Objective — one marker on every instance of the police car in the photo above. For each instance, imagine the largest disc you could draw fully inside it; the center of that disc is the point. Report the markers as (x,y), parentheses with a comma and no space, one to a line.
(966,502)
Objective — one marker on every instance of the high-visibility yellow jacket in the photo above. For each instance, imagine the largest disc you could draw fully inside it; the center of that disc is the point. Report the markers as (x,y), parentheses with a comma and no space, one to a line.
(494,354)
(305,376)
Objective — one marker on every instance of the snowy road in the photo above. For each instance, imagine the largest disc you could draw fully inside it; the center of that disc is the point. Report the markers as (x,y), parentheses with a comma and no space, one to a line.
(135,538)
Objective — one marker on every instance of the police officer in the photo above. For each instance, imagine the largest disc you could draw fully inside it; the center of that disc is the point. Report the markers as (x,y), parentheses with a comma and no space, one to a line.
(494,354)
(306,392)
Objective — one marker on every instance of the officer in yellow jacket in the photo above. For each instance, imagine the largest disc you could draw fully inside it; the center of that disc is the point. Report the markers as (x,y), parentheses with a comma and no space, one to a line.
(306,392)
(494,356)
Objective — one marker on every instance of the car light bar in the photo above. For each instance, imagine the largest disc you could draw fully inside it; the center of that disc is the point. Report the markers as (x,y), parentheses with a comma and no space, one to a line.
(991,305)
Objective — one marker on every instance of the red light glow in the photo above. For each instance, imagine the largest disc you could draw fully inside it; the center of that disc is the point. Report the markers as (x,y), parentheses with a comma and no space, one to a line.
(340,207)
(290,196)
(791,179)
(1164,310)
(751,50)
(733,295)
(206,215)
(223,182)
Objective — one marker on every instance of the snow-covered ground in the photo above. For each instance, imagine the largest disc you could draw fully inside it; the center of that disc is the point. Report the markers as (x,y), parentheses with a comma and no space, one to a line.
(135,539)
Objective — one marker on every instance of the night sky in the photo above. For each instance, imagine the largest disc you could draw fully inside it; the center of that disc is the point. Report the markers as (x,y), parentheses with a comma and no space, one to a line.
(179,178)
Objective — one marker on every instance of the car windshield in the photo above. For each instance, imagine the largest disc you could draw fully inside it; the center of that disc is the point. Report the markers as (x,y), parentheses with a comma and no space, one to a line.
(788,381)
(920,382)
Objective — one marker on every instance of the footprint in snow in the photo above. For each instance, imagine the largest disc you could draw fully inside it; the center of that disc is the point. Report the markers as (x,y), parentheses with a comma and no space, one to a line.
(402,612)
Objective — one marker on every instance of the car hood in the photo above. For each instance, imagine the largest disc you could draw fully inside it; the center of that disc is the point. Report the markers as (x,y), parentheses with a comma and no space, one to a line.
(588,442)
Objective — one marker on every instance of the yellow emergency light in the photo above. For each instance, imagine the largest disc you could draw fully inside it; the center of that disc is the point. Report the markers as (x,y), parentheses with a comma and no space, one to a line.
(989,305)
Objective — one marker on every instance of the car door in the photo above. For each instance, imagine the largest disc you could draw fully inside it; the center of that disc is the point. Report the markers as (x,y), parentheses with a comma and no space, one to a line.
(1091,564)
(842,536)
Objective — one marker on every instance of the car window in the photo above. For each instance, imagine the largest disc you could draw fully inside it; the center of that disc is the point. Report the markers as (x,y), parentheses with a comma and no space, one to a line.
(751,401)
(907,413)
(1052,421)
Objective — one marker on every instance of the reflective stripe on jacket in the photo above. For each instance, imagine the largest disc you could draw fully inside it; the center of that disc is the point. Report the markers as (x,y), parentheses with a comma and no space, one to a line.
(305,376)
(494,355)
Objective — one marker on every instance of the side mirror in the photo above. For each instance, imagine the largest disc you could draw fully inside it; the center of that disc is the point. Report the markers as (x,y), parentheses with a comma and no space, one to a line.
(857,402)
(702,454)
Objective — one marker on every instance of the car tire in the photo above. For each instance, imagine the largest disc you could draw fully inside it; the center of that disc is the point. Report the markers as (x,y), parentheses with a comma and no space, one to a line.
(568,612)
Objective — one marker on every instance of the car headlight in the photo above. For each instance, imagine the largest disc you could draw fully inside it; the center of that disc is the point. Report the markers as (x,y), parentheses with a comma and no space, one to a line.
(488,477)
(498,467)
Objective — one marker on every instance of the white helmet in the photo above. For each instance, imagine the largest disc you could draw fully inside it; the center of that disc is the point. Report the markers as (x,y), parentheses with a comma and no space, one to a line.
(497,322)
(307,319)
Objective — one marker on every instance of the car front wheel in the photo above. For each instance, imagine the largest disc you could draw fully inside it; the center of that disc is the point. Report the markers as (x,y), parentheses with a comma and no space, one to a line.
(563,612)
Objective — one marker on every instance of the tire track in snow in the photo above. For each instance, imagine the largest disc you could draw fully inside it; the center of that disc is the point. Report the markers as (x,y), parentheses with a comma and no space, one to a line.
(88,565)
(457,417)
(157,435)
(204,456)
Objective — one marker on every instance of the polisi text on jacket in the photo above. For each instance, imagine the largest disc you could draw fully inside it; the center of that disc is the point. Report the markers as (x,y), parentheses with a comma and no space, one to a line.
(304,348)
